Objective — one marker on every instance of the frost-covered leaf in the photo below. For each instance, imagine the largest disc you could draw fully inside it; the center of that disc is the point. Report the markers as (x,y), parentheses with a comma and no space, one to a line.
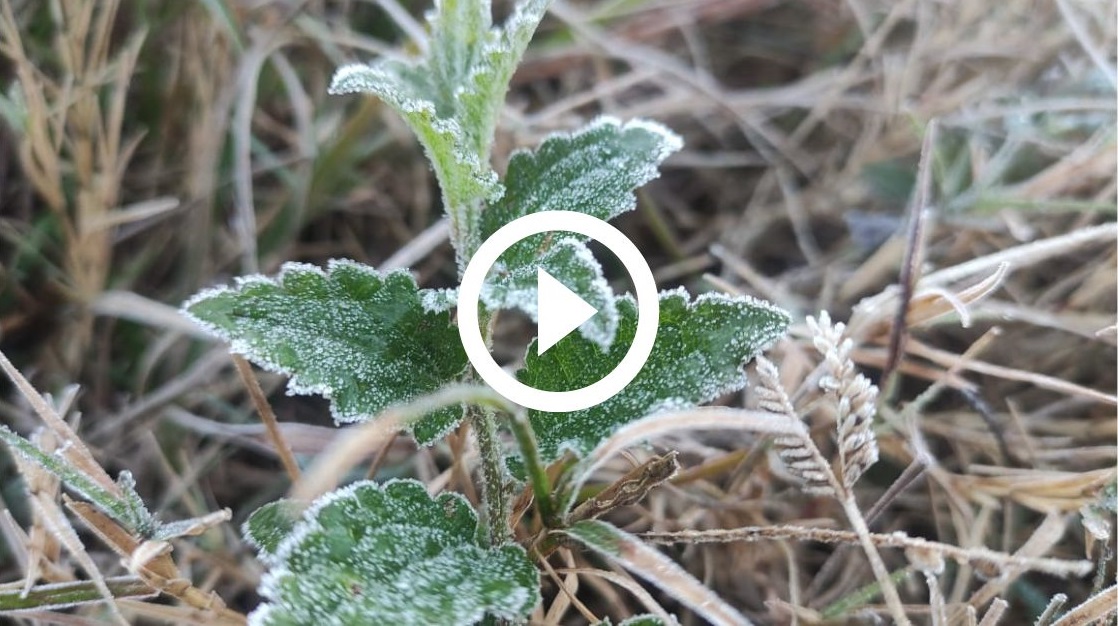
(463,176)
(650,564)
(271,524)
(451,97)
(394,553)
(700,349)
(122,504)
(483,95)
(358,337)
(512,283)
(438,300)
(592,171)
(191,527)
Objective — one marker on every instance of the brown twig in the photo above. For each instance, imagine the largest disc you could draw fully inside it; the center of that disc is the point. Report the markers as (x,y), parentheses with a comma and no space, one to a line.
(268,417)
(914,254)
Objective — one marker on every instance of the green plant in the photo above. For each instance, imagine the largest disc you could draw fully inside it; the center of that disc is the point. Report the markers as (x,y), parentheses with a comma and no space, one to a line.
(370,340)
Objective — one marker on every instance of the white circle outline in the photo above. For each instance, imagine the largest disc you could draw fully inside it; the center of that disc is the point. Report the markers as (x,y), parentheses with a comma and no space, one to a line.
(648,311)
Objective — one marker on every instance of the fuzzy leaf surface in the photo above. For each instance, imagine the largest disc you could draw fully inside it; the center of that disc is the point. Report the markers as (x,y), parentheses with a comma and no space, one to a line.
(393,552)
(269,525)
(464,177)
(358,337)
(451,96)
(480,92)
(700,350)
(592,171)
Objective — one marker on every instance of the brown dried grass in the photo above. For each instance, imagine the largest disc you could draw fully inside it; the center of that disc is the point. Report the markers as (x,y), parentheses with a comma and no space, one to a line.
(163,150)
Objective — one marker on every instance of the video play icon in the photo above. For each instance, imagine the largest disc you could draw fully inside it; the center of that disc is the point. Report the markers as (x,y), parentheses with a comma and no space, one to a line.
(560,311)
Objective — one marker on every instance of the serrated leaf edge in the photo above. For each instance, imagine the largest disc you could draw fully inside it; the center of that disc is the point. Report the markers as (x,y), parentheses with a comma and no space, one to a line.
(308,523)
(602,338)
(671,404)
(240,347)
(672,141)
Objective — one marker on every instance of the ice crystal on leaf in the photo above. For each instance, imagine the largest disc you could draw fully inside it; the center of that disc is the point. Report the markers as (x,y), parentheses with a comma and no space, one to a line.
(122,503)
(394,553)
(271,524)
(359,337)
(451,97)
(701,347)
(592,171)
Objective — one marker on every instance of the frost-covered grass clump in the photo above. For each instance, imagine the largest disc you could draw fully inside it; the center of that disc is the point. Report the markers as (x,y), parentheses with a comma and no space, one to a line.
(375,343)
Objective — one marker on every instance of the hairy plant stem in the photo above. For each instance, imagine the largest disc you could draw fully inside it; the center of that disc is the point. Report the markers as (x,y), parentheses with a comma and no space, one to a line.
(483,422)
(495,499)
(537,473)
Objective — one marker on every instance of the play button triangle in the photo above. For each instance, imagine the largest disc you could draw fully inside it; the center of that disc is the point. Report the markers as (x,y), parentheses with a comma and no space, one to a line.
(559,311)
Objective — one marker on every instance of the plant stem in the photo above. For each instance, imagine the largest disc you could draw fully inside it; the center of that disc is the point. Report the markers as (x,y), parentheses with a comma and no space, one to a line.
(537,473)
(483,422)
(493,496)
(66,594)
(880,572)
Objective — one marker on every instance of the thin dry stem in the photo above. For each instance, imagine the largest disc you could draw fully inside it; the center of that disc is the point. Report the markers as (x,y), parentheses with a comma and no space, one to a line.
(1097,608)
(994,613)
(268,417)
(1054,567)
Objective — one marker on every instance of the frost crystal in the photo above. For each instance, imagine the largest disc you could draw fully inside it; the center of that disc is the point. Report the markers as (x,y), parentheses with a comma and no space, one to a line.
(360,338)
(393,553)
(700,349)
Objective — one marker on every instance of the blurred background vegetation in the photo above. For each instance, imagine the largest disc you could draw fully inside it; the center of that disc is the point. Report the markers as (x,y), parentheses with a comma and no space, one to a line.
(149,149)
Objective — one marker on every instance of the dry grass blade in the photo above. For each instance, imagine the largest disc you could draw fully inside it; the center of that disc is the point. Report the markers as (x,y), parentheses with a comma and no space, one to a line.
(1055,605)
(70,444)
(1043,491)
(132,306)
(60,528)
(994,613)
(1059,385)
(1027,254)
(268,417)
(934,302)
(912,265)
(72,144)
(42,548)
(1042,541)
(647,601)
(152,562)
(1099,607)
(680,421)
(66,595)
(629,489)
(648,563)
(977,555)
(568,589)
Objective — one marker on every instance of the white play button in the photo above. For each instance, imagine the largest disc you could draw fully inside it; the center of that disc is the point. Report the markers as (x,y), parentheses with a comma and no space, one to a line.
(558,309)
